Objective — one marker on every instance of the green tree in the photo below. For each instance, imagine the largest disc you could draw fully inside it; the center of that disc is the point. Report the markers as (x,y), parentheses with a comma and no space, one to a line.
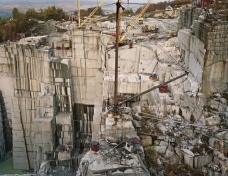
(99,11)
(87,12)
(31,13)
(83,13)
(128,12)
(16,14)
(27,22)
(53,13)
(6,32)
(3,34)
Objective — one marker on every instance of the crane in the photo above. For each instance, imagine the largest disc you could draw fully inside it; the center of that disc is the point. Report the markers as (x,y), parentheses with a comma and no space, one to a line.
(135,20)
(92,13)
(153,88)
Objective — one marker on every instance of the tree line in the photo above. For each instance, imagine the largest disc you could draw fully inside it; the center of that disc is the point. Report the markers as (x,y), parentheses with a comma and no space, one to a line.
(24,22)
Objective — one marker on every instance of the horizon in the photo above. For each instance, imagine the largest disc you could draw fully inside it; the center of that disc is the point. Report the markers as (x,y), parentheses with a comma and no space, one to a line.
(67,5)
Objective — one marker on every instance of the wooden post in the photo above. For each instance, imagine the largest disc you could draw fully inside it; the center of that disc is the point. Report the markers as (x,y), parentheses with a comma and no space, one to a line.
(118,5)
(78,6)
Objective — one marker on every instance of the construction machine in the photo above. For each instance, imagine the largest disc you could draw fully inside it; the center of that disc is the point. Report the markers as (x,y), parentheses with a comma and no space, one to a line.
(95,20)
(122,41)
(135,21)
(91,14)
(148,28)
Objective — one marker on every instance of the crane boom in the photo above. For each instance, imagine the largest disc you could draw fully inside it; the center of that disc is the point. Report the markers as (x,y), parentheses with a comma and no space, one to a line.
(136,20)
(92,13)
(153,88)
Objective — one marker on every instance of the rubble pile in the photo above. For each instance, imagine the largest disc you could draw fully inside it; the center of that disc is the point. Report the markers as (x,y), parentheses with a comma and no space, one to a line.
(173,139)
(66,25)
(118,151)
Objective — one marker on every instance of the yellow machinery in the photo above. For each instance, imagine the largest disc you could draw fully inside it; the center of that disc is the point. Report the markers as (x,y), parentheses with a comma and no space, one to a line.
(92,13)
(95,20)
(135,20)
(147,28)
(131,25)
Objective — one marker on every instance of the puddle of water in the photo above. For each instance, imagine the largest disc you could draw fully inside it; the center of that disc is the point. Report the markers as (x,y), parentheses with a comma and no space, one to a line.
(6,167)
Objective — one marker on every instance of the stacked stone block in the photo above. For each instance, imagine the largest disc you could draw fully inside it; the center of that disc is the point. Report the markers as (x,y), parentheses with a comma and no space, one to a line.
(44,134)
(64,128)
(62,48)
(62,87)
(215,38)
(185,19)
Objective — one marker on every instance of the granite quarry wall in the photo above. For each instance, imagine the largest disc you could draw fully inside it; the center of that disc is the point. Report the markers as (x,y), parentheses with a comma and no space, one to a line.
(205,49)
(48,81)
(35,88)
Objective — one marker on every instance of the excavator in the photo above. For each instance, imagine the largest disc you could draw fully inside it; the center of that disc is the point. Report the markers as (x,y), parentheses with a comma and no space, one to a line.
(148,28)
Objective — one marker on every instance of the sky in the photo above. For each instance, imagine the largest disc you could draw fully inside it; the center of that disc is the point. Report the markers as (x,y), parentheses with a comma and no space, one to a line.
(66,5)
(82,1)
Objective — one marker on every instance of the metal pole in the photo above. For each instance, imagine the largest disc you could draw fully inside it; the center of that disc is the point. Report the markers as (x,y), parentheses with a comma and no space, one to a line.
(79,22)
(118,5)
